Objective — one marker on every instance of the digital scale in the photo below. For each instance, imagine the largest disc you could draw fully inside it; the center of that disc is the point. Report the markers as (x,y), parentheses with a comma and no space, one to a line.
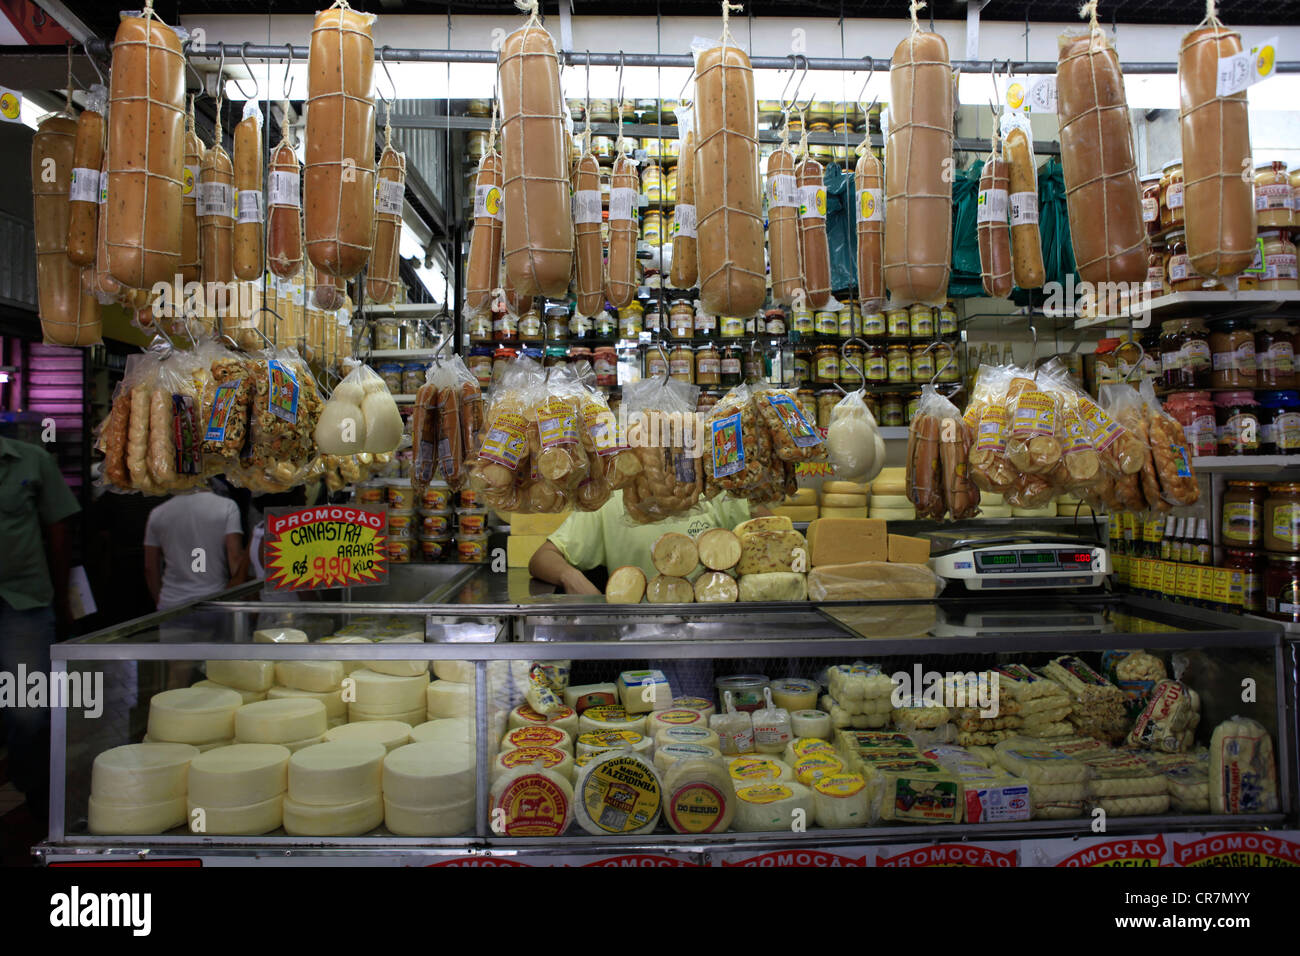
(1002,620)
(1018,561)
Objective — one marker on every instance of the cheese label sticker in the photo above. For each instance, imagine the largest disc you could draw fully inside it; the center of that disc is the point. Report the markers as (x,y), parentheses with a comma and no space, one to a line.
(1024,209)
(282,391)
(812,202)
(812,766)
(791,416)
(84,186)
(250,205)
(522,737)
(622,794)
(524,712)
(726,440)
(487,202)
(621,203)
(991,206)
(765,793)
(679,717)
(523,756)
(605,715)
(223,403)
(871,205)
(840,784)
(557,423)
(782,191)
(586,207)
(992,432)
(506,440)
(1035,414)
(611,739)
(692,703)
(696,807)
(389,195)
(684,223)
(534,805)
(753,768)
(283,188)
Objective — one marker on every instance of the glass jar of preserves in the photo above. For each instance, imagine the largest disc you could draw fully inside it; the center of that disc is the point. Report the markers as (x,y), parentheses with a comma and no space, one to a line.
(1151,204)
(806,399)
(873,405)
(826,363)
(774,322)
(850,323)
(1185,353)
(556,356)
(391,373)
(827,399)
(803,365)
(1282,518)
(731,326)
(1237,414)
(1242,517)
(580,353)
(1171,195)
(630,320)
(681,364)
(948,319)
(1178,265)
(731,365)
(875,365)
(708,365)
(898,323)
(1282,588)
(1280,272)
(605,361)
(948,360)
(922,363)
(652,226)
(1155,281)
(873,325)
(670,185)
(580,327)
(891,410)
(1195,412)
(479,363)
(801,321)
(920,321)
(1232,351)
(851,360)
(653,319)
(557,323)
(388,334)
(1252,565)
(910,409)
(681,319)
(505,327)
(898,360)
(1274,354)
(501,358)
(1105,367)
(604,325)
(1279,422)
(827,323)
(1272,195)
(656,364)
(753,366)
(478,327)
(652,180)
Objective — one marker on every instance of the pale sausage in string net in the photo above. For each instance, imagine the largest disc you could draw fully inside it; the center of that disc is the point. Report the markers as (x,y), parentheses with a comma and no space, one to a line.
(685,268)
(484,266)
(381,277)
(194,150)
(869,183)
(284,210)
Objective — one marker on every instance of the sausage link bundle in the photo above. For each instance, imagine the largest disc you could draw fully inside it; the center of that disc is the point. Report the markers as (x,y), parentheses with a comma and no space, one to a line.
(814,249)
(728,194)
(340,159)
(1026,243)
(482,272)
(381,278)
(146,152)
(589,256)
(620,283)
(1102,192)
(217,221)
(248,196)
(69,313)
(284,213)
(685,270)
(868,180)
(994,232)
(918,180)
(783,226)
(194,150)
(83,193)
(538,235)
(1218,192)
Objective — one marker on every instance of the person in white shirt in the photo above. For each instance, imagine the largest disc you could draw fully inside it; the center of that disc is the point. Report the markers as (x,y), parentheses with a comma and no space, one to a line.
(193,547)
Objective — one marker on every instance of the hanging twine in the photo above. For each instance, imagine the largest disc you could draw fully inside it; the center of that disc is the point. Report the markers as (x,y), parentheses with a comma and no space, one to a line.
(916,7)
(284,124)
(785,129)
(803,135)
(388,124)
(727,9)
(529,7)
(492,128)
(1211,15)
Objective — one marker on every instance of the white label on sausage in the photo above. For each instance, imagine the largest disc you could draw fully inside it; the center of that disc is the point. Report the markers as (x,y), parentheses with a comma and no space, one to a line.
(250,205)
(812,202)
(487,202)
(85,185)
(684,221)
(586,206)
(1244,69)
(992,205)
(216,199)
(1024,209)
(1041,97)
(1174,196)
(621,203)
(871,205)
(284,188)
(388,197)
(1150,210)
(782,191)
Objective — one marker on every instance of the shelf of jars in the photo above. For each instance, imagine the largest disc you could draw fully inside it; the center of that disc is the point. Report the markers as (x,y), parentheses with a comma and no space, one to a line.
(1177,305)
(1246,464)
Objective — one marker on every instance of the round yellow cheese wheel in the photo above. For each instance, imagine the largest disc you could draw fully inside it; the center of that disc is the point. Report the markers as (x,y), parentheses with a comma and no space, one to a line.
(994,511)
(894,514)
(890,481)
(844,488)
(843,501)
(891,501)
(1048,511)
(805,496)
(990,498)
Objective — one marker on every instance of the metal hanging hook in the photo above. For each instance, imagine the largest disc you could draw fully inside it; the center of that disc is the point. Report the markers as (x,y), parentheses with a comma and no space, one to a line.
(384,64)
(844,360)
(681,95)
(287,83)
(952,357)
(794,101)
(239,85)
(94,65)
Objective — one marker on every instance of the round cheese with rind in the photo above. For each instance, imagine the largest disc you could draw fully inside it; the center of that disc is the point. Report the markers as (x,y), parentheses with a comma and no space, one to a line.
(429,775)
(397,668)
(537,737)
(315,676)
(844,501)
(547,758)
(433,821)
(746,770)
(391,733)
(719,549)
(894,501)
(812,766)
(336,772)
(115,819)
(890,481)
(449,699)
(811,723)
(614,717)
(842,800)
(248,820)
(193,715)
(243,675)
(674,717)
(357,715)
(332,700)
(884,514)
(458,672)
(701,704)
(770,807)
(674,554)
(599,741)
(716,587)
(528,802)
(844,488)
(618,793)
(566,718)
(141,773)
(626,585)
(669,754)
(248,695)
(802,746)
(281,720)
(377,693)
(666,589)
(340,819)
(201,748)
(694,734)
(443,730)
(240,775)
(349,665)
(698,797)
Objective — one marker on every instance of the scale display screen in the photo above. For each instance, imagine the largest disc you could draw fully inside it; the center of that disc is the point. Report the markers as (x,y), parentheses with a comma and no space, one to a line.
(994,561)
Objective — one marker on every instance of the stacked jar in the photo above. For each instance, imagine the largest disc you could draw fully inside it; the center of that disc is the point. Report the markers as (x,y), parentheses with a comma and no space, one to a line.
(469,523)
(401,519)
(1281,537)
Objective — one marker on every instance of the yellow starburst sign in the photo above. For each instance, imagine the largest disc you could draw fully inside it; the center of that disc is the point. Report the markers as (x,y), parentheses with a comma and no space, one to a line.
(330,546)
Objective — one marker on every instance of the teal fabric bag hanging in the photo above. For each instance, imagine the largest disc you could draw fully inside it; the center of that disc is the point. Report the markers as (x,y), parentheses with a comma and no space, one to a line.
(841,227)
(965,278)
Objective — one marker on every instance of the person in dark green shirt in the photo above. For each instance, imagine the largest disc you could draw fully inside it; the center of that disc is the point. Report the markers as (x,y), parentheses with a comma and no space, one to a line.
(35,504)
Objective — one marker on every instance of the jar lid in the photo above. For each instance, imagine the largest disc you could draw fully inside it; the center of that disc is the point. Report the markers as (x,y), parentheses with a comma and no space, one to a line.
(481,350)
(1270,164)
(1283,558)
(1247,484)
(1171,164)
(1284,488)
(1151,178)
(1270,233)
(1229,399)
(504,352)
(1106,345)
(1229,324)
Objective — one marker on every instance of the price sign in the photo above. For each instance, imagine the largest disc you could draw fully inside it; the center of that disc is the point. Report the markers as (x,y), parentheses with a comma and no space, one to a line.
(330,546)
(1245,69)
(1042,95)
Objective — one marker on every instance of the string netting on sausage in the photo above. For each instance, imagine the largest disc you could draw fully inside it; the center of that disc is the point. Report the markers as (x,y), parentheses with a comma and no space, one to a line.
(908,290)
(1096,53)
(513,126)
(282,264)
(1222,175)
(384,278)
(999,179)
(363,167)
(806,160)
(622,288)
(191,200)
(217,168)
(156,111)
(749,149)
(478,298)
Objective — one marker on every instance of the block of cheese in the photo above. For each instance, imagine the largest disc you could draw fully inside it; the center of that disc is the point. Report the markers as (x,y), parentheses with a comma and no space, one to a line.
(520,548)
(626,585)
(1137,806)
(643,691)
(345,819)
(281,720)
(142,773)
(244,675)
(889,514)
(861,511)
(704,706)
(238,776)
(458,672)
(674,717)
(872,581)
(846,540)
(918,791)
(194,715)
(797,512)
(769,807)
(698,797)
(348,665)
(618,793)
(1189,788)
(449,699)
(674,554)
(616,717)
(1243,772)
(668,754)
(543,524)
(527,802)
(280,635)
(245,820)
(890,481)
(547,758)
(537,737)
(566,719)
(582,696)
(844,501)
(116,819)
(698,734)
(904,549)
(336,772)
(1024,758)
(775,586)
(391,733)
(429,775)
(801,496)
(335,708)
(318,676)
(248,695)
(835,487)
(747,769)
(448,820)
(803,746)
(378,693)
(766,523)
(662,589)
(719,549)
(842,800)
(598,741)
(716,587)
(444,730)
(764,552)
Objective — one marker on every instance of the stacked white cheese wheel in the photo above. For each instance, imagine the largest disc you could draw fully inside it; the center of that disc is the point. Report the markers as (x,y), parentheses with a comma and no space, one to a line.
(248,696)
(335,789)
(429,789)
(293,722)
(391,733)
(256,677)
(202,716)
(444,730)
(349,665)
(279,635)
(377,696)
(139,788)
(238,790)
(400,668)
(315,680)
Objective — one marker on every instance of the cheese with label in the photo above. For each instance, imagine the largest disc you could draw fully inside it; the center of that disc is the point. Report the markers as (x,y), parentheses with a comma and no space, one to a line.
(117,819)
(336,772)
(251,819)
(331,700)
(802,746)
(811,767)
(345,819)
(908,550)
(674,555)
(674,717)
(765,552)
(770,807)
(565,718)
(527,802)
(243,675)
(751,769)
(537,737)
(698,797)
(280,635)
(669,754)
(241,775)
(391,733)
(248,696)
(811,723)
(449,820)
(449,699)
(844,501)
(547,758)
(280,721)
(918,792)
(618,793)
(691,734)
(595,719)
(794,693)
(842,800)
(194,715)
(377,693)
(1024,758)
(582,696)
(597,742)
(774,586)
(429,775)
(142,773)
(644,691)
(444,730)
(705,707)
(1189,788)
(1243,772)
(458,672)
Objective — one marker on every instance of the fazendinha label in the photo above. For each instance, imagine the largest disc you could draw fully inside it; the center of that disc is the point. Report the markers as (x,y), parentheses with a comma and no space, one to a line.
(330,546)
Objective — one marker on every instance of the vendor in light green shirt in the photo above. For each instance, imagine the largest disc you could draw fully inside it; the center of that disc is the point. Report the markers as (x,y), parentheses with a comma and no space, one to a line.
(590,539)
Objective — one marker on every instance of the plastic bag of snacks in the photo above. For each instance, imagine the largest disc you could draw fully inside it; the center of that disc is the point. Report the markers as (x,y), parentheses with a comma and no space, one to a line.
(360,416)
(938,453)
(1170,455)
(986,417)
(1136,491)
(794,438)
(602,442)
(284,407)
(738,453)
(503,469)
(447,424)
(853,443)
(663,437)
(1034,444)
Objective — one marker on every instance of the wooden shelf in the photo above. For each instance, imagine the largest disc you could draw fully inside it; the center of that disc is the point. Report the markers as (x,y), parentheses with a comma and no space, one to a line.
(1199,305)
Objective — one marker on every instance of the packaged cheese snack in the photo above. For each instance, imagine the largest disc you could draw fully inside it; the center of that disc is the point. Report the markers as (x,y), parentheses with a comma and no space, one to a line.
(1243,772)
